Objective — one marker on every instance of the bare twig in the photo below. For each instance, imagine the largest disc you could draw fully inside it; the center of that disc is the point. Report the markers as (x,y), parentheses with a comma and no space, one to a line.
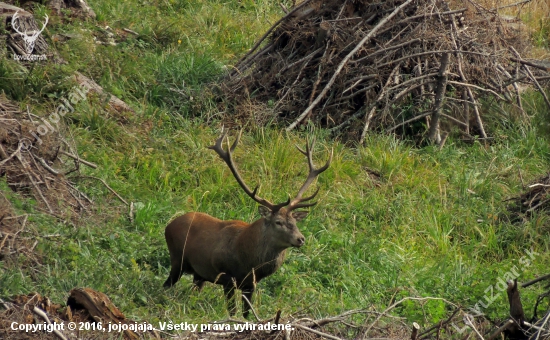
(80,160)
(107,186)
(46,166)
(414,119)
(513,5)
(35,185)
(532,282)
(526,62)
(251,307)
(15,153)
(382,94)
(44,316)
(324,335)
(400,302)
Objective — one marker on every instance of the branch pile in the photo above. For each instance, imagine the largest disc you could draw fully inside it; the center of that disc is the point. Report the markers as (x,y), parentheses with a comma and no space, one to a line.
(535,199)
(402,66)
(35,161)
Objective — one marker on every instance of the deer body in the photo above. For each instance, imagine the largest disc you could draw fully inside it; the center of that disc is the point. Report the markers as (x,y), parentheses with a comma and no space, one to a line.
(235,249)
(236,254)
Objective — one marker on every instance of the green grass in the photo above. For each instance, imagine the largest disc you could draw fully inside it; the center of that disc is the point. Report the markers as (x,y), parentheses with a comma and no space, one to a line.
(434,224)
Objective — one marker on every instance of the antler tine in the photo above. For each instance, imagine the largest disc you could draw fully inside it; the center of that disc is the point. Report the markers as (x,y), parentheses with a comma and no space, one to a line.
(313,173)
(228,159)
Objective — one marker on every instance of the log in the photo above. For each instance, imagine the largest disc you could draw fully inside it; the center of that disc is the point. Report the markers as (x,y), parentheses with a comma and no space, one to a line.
(114,103)
(99,307)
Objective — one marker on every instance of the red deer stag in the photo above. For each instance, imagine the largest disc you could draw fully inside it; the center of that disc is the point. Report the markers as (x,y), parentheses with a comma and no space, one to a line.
(237,254)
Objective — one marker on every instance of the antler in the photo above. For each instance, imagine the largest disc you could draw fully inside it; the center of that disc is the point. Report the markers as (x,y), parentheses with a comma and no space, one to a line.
(226,156)
(313,173)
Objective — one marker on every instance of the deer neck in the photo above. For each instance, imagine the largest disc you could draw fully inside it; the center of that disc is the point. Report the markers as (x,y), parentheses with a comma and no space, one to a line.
(266,256)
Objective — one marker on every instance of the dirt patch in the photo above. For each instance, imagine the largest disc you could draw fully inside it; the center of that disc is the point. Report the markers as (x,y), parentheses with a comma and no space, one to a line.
(418,68)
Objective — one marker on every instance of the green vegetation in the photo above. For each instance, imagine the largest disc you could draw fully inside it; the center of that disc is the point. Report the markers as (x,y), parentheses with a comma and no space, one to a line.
(435,223)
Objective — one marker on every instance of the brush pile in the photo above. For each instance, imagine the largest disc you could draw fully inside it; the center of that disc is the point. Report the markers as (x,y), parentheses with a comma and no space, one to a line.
(411,67)
(35,161)
(535,199)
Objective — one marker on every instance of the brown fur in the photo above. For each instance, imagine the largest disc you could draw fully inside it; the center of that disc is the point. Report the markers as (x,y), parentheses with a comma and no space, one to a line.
(234,254)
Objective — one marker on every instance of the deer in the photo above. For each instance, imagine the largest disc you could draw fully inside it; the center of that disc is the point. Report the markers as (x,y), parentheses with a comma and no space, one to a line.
(237,254)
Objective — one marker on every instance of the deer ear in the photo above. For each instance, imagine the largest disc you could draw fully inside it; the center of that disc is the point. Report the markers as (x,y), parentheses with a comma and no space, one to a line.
(300,215)
(265,212)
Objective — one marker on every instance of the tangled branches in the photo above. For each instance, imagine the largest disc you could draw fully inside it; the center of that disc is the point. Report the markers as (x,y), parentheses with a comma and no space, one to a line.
(405,66)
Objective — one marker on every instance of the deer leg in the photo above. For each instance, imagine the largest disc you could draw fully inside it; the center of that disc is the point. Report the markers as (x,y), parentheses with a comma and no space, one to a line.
(247,294)
(175,274)
(229,291)
(198,281)
(177,270)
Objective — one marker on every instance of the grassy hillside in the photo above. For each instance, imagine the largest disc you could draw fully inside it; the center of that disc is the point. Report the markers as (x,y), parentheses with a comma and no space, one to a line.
(393,220)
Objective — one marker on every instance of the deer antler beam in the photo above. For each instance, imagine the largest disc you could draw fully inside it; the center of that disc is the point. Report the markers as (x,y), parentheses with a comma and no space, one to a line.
(228,159)
(313,173)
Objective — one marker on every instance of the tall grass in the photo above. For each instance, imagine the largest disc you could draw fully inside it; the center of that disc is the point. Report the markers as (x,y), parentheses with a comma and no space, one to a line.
(432,225)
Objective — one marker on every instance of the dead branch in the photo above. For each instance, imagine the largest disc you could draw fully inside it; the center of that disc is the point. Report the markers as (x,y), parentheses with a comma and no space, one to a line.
(373,109)
(46,166)
(15,153)
(441,84)
(107,186)
(80,160)
(44,316)
(501,329)
(532,282)
(530,63)
(324,335)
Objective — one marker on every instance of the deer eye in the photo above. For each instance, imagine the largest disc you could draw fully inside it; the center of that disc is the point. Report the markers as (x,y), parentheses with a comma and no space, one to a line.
(279,223)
